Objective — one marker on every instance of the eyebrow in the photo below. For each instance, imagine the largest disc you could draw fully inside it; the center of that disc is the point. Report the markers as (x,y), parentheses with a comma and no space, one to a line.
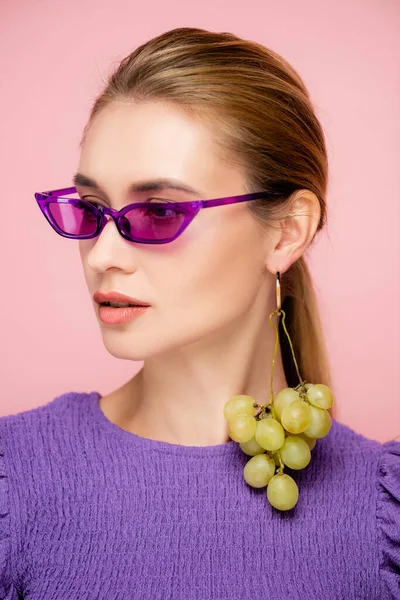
(154,185)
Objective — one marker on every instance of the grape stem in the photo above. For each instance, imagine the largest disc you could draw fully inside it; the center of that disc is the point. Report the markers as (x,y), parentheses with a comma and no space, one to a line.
(300,388)
(261,409)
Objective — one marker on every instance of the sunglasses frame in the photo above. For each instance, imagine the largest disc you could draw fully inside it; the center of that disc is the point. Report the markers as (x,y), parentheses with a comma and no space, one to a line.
(190,210)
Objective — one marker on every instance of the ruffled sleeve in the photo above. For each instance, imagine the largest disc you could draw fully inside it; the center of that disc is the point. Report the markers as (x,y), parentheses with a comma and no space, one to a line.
(388,519)
(5,535)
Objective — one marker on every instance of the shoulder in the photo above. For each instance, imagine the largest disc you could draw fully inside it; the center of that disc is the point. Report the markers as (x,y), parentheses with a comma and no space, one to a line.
(375,467)
(388,516)
(25,426)
(345,454)
(5,528)
(29,438)
(26,440)
(60,404)
(349,440)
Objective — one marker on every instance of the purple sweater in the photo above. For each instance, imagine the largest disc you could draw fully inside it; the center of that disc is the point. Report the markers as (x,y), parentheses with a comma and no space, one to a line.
(91,511)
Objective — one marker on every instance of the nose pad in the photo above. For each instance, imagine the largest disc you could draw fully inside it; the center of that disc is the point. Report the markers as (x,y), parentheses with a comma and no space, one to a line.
(105,217)
(123,223)
(125,226)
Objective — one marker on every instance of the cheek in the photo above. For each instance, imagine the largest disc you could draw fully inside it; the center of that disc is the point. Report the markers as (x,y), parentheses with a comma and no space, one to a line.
(211,280)
(83,248)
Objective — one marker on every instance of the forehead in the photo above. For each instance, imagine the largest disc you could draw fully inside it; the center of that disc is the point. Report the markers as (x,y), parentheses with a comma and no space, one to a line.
(148,140)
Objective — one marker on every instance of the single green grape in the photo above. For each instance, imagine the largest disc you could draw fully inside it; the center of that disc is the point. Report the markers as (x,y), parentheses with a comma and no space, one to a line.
(270,434)
(295,452)
(320,395)
(282,492)
(238,405)
(296,416)
(242,428)
(321,423)
(252,447)
(282,399)
(258,470)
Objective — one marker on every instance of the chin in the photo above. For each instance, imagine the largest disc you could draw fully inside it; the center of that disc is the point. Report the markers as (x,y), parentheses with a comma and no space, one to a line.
(131,349)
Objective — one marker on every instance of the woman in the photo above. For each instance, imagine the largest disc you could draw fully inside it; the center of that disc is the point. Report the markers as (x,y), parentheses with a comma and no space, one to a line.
(142,493)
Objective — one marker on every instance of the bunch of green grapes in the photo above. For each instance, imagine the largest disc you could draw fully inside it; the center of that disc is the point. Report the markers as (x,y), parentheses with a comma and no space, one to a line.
(278,434)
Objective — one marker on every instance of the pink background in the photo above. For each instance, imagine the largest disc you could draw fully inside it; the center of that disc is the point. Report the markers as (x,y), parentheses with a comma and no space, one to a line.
(53,55)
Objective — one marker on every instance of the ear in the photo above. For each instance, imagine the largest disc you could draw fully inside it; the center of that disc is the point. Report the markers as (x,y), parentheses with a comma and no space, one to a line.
(295,232)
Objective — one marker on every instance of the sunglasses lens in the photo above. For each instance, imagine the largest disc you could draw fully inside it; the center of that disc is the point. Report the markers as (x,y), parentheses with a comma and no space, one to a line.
(73,219)
(150,223)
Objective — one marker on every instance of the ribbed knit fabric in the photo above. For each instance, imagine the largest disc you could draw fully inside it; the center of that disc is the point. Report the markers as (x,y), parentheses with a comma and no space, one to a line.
(91,511)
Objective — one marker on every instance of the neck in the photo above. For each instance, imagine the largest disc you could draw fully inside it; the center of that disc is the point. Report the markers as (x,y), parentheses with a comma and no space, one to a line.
(179,396)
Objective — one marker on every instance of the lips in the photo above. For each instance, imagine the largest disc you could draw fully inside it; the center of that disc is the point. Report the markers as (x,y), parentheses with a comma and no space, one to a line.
(111,296)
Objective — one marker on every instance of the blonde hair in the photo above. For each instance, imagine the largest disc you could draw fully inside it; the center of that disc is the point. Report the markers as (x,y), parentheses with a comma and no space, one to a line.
(267,124)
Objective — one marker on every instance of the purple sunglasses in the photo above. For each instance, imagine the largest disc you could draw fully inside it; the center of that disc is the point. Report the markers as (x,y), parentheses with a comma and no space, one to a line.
(142,222)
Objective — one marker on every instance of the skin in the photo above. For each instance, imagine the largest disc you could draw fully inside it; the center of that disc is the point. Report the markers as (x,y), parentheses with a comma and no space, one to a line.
(207,335)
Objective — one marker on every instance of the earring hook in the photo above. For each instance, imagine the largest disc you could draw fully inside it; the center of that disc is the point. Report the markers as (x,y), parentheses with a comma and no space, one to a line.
(278,291)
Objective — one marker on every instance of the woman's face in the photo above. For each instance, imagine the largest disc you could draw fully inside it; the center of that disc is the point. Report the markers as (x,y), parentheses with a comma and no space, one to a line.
(202,282)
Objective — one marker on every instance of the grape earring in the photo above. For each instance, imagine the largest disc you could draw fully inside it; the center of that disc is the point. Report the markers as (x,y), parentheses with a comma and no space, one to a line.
(282,432)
